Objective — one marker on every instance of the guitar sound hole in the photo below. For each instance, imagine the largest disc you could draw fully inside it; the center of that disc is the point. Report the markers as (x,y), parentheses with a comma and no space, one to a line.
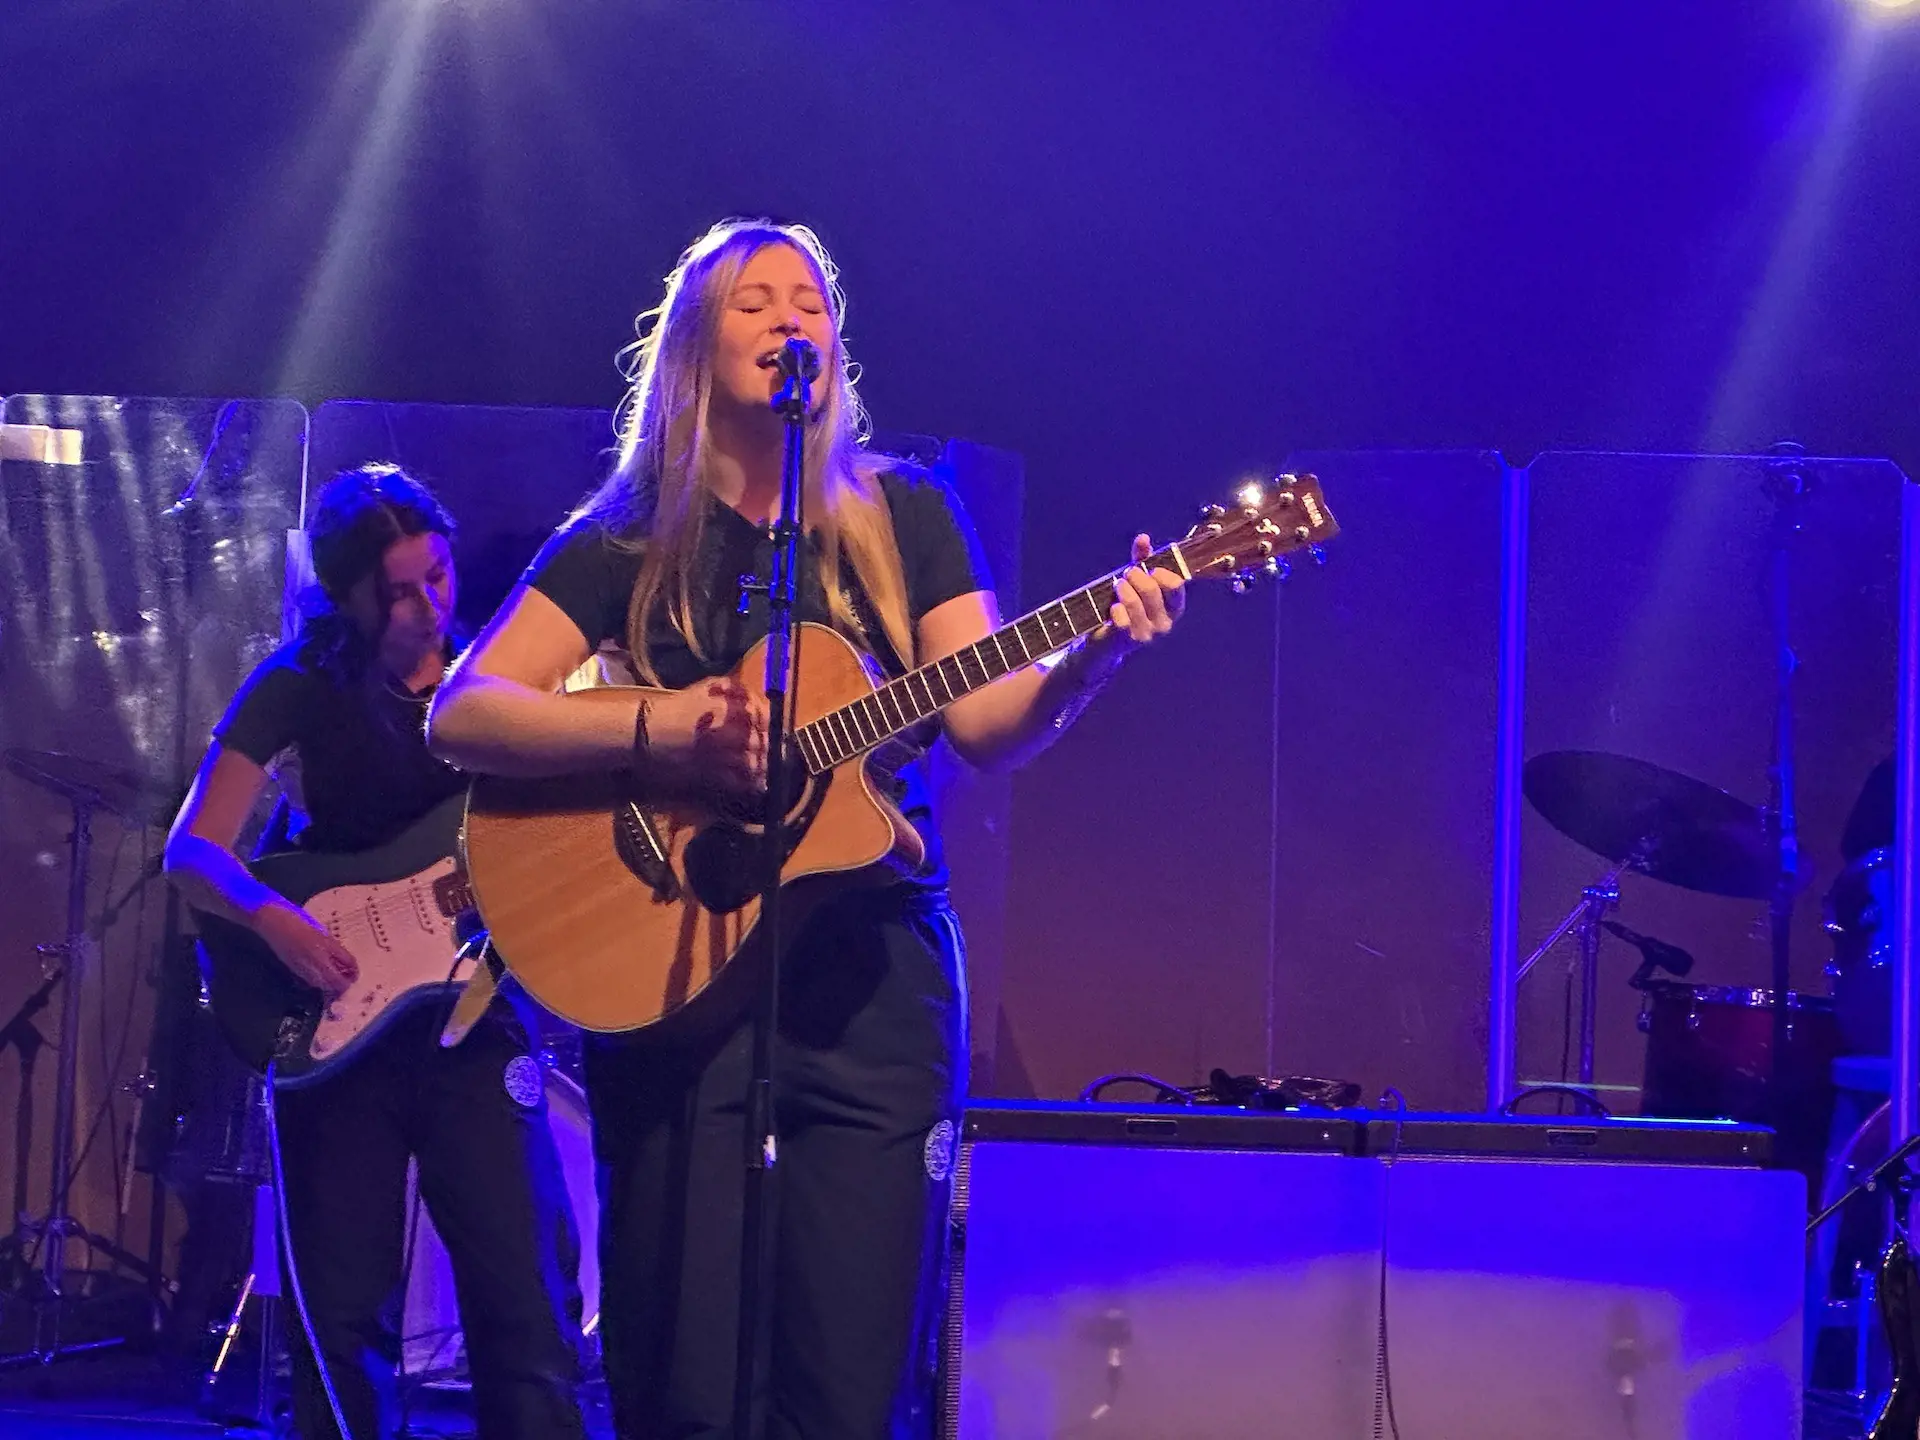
(723,860)
(721,868)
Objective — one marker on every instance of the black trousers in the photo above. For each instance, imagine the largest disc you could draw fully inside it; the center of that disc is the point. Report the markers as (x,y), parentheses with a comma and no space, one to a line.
(490,1177)
(871,1061)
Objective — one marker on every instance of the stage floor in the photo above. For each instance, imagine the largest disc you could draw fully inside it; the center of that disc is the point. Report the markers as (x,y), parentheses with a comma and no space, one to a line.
(102,1397)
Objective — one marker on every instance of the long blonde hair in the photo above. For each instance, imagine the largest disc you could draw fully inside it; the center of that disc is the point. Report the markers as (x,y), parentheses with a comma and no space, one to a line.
(656,493)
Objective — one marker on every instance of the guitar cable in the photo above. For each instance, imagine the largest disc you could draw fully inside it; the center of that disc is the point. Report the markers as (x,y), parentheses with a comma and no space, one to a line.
(293,1269)
(1382,1369)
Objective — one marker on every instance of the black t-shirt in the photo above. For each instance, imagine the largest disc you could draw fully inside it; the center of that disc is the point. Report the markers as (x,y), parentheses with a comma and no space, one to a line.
(365,773)
(591,577)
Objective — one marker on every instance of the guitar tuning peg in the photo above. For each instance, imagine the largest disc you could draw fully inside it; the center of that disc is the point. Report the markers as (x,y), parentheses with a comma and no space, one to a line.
(1241,582)
(1279,569)
(1212,512)
(1318,553)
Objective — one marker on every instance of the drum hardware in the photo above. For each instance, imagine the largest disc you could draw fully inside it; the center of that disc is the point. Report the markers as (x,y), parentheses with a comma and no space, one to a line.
(1586,917)
(1858,914)
(432,1343)
(1711,1055)
(262,1403)
(1789,484)
(21,1034)
(1651,821)
(87,786)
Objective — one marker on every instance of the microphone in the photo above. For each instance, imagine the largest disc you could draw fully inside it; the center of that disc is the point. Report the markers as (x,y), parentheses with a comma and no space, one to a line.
(1657,952)
(798,359)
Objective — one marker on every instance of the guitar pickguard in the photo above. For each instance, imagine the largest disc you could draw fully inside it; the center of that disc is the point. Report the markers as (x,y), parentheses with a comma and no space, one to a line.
(403,943)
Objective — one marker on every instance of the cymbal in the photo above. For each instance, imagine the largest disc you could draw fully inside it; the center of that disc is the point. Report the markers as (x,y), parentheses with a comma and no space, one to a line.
(135,798)
(1658,822)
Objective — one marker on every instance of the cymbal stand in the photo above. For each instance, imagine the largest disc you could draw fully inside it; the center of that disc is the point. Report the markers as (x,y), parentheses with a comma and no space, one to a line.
(74,955)
(1788,484)
(20,1033)
(1585,918)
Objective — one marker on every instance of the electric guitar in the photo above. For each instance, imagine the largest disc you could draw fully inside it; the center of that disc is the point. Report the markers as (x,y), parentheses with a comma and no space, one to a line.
(617,906)
(1898,1296)
(393,908)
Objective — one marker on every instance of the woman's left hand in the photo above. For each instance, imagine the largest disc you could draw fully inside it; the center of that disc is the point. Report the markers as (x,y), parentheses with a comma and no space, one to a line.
(1146,605)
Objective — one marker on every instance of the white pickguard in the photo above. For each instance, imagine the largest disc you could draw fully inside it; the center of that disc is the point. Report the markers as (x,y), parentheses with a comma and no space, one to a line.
(402,941)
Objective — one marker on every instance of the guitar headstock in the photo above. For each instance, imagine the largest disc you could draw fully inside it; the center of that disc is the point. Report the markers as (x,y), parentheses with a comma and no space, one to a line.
(1254,536)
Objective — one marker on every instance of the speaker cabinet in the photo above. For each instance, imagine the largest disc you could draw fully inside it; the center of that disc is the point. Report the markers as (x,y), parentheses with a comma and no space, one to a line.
(1172,1273)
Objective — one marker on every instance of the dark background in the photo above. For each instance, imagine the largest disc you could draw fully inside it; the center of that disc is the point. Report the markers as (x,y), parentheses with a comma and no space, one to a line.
(1140,244)
(1147,247)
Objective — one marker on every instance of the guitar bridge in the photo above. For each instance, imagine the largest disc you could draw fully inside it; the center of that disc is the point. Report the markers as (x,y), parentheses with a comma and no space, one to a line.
(641,850)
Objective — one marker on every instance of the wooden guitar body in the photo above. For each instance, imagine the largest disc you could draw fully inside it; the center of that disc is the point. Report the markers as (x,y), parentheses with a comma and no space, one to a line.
(616,908)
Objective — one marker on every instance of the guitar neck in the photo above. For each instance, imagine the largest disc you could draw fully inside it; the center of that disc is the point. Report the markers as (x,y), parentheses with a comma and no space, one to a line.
(905,702)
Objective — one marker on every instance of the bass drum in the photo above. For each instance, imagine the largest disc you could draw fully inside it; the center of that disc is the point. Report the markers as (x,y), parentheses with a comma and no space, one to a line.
(1710,1056)
(1859,916)
(432,1347)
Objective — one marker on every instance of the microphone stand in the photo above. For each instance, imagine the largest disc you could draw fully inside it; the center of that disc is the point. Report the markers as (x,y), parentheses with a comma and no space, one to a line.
(1789,485)
(1873,1180)
(799,362)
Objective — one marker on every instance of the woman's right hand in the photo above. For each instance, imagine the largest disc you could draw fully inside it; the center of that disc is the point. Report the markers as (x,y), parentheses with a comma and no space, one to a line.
(712,733)
(305,947)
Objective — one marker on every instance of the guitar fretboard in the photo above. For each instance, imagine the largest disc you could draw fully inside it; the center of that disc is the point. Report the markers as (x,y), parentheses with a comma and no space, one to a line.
(902,703)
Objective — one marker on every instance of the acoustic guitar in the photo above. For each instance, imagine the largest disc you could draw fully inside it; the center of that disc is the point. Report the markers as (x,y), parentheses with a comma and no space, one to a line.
(618,905)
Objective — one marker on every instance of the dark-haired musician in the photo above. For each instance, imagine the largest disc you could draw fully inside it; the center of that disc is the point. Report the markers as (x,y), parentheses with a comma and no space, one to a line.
(348,698)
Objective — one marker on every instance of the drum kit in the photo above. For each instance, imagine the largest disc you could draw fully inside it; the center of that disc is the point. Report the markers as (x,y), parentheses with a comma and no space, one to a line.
(1710,1048)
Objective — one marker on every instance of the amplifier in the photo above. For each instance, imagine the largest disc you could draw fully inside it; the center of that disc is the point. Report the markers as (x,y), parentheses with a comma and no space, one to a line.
(1163,1272)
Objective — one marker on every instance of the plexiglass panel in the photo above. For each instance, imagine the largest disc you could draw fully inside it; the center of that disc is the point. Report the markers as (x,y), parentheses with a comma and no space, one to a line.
(143,581)
(1386,685)
(140,578)
(1651,642)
